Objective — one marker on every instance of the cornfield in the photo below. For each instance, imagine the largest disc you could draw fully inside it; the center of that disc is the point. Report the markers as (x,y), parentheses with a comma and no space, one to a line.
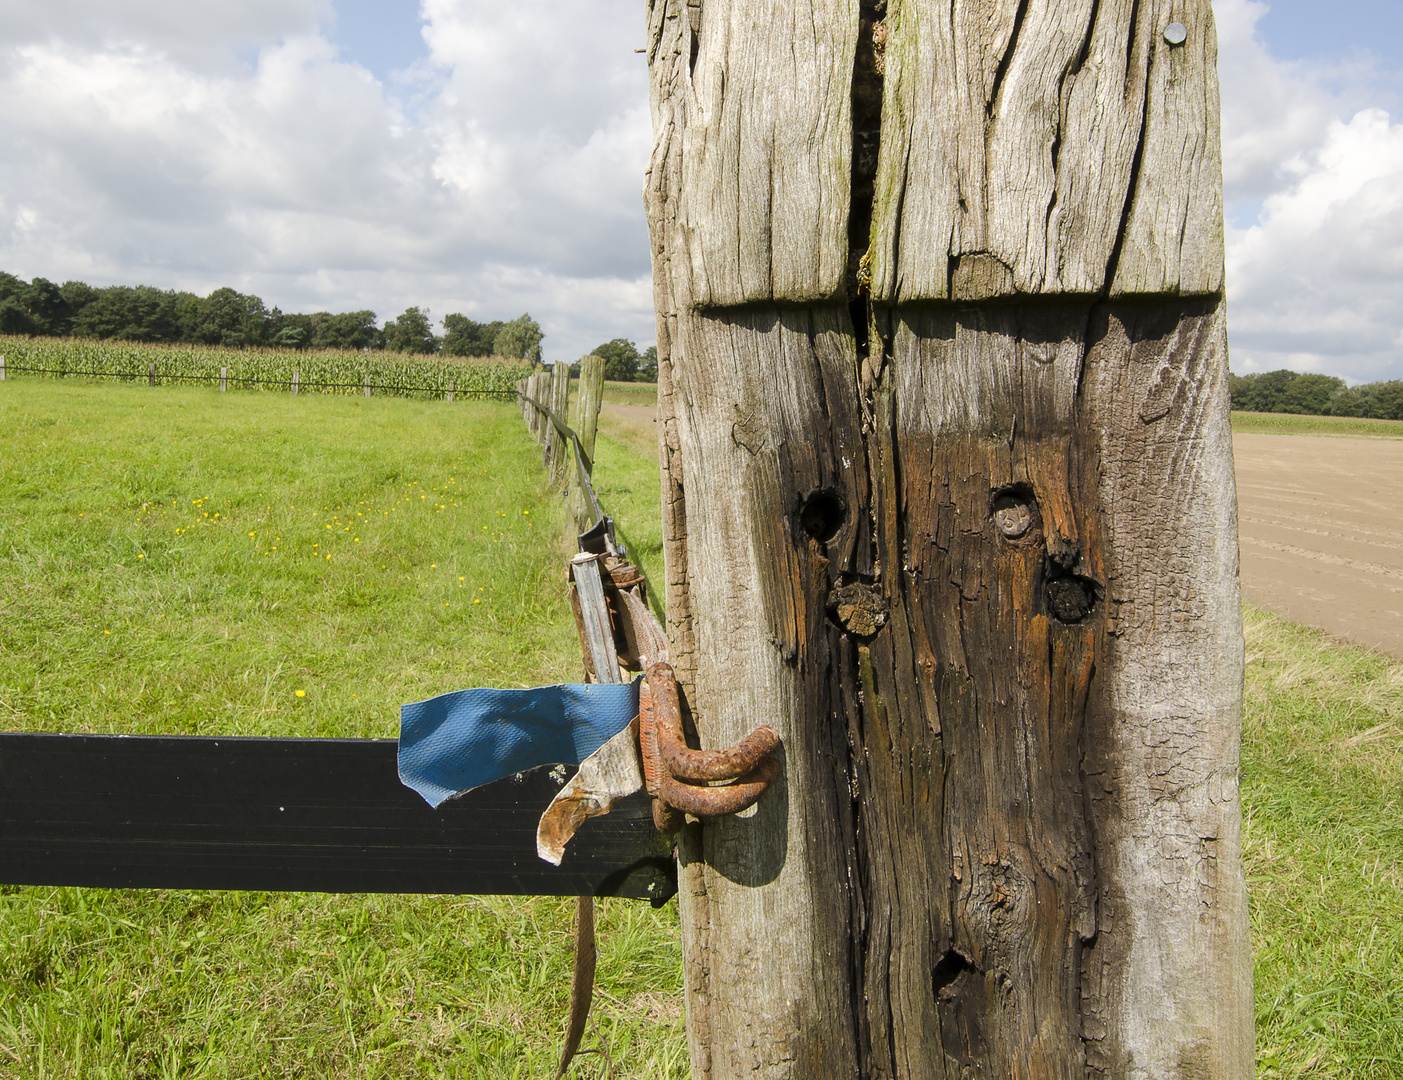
(322,372)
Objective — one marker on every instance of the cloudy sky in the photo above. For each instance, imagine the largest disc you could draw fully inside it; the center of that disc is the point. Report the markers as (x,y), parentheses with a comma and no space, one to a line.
(340,154)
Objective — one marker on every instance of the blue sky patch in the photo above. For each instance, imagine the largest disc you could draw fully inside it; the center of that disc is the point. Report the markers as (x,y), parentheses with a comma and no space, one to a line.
(383,36)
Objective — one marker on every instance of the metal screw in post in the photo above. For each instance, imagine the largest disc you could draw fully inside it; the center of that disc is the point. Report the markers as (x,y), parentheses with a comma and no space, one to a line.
(1176,33)
(295,376)
(1013,516)
(223,379)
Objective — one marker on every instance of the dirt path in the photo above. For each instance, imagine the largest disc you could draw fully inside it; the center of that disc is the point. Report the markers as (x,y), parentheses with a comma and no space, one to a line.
(1321,524)
(639,414)
(1321,542)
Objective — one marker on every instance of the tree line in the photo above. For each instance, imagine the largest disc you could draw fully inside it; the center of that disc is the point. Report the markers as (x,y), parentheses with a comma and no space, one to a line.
(1315,395)
(40,308)
(624,363)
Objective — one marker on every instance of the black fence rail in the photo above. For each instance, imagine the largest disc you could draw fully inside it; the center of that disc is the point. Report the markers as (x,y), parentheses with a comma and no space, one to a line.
(318,815)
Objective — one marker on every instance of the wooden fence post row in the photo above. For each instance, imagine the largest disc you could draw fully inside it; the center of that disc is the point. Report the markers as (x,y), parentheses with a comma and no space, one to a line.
(566,471)
(949,504)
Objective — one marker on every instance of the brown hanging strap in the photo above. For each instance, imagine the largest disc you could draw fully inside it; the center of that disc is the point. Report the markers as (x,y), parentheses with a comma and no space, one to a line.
(581,983)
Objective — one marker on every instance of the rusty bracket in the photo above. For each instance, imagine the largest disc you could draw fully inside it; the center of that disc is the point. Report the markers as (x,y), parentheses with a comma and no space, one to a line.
(679,777)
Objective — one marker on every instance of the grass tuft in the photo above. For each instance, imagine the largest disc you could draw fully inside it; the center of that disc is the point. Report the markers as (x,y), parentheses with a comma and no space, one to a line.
(1322,776)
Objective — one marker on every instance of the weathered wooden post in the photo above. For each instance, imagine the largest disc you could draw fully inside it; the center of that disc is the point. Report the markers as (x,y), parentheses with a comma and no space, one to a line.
(585,422)
(558,456)
(540,387)
(223,380)
(591,396)
(949,503)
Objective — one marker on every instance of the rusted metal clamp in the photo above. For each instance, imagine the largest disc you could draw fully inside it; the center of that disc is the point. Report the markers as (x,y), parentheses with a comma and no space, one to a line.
(678,777)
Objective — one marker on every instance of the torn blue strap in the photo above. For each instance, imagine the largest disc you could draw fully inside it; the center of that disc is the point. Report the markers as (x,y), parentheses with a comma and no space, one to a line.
(468,738)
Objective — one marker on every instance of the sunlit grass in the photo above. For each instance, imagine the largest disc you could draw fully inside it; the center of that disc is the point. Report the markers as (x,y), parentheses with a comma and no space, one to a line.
(1323,798)
(164,568)
(631,393)
(180,561)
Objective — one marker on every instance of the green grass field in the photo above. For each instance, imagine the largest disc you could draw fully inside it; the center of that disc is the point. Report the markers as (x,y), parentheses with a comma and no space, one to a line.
(631,393)
(133,597)
(176,560)
(1322,792)
(1291,424)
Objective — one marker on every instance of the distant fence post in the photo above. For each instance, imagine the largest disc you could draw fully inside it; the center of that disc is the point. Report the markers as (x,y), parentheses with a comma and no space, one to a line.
(557,450)
(2,367)
(295,376)
(591,398)
(450,393)
(538,393)
(586,423)
(223,379)
(151,374)
(367,386)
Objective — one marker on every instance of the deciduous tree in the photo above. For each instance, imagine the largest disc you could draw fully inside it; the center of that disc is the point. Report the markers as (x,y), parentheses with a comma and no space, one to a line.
(520,339)
(463,336)
(410,333)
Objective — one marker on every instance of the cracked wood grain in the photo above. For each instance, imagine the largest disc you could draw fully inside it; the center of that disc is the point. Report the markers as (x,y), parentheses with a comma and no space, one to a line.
(953,513)
(1072,150)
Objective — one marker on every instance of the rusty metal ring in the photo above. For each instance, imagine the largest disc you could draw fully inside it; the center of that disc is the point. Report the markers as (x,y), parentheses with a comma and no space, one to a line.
(717,801)
(682,761)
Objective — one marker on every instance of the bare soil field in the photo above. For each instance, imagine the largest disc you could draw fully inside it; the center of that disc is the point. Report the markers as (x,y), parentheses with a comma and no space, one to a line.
(1320,532)
(638,414)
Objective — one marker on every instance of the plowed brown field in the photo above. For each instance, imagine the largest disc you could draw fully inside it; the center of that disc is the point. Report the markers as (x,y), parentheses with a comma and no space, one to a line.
(1321,522)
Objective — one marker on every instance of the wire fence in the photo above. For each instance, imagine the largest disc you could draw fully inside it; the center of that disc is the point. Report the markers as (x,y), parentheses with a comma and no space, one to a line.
(295,384)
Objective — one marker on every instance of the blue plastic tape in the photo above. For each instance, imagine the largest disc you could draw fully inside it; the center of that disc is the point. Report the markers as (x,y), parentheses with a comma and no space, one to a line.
(455,742)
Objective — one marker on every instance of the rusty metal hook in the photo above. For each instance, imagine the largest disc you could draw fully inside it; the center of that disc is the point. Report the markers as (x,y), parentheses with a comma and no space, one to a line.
(676,775)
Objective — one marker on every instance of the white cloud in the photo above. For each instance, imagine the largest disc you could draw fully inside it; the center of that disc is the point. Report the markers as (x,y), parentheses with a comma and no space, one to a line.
(502,175)
(1315,236)
(1317,283)
(199,34)
(197,145)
